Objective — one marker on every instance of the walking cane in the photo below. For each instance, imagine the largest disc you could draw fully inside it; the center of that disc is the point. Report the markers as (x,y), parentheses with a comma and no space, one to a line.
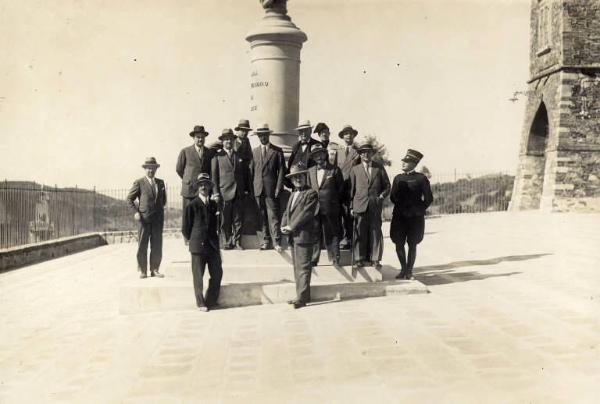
(352,241)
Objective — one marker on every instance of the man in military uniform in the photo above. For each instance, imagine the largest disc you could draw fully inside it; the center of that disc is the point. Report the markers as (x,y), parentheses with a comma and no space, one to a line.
(411,196)
(299,223)
(347,157)
(369,187)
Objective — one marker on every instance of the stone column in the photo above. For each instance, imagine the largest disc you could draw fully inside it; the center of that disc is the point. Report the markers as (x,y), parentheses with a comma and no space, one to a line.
(275,73)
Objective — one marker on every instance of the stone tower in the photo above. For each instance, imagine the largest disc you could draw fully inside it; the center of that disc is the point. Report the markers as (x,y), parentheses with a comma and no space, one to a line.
(559,164)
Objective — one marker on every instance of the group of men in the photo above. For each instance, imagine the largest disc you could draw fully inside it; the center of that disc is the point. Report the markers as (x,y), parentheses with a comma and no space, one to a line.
(336,202)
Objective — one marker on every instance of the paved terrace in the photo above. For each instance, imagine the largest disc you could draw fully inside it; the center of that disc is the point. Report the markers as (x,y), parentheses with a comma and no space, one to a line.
(513,316)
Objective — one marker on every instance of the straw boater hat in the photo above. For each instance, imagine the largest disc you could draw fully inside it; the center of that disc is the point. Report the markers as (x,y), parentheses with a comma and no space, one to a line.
(150,162)
(297,169)
(413,156)
(198,130)
(304,125)
(321,126)
(263,130)
(317,148)
(243,124)
(347,128)
(227,134)
(204,177)
(366,146)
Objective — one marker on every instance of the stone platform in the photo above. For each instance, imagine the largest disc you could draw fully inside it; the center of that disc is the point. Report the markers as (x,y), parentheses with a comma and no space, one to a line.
(254,277)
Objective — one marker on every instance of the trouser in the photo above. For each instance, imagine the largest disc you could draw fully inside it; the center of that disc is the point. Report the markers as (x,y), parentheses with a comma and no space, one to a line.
(233,217)
(150,230)
(302,255)
(346,219)
(213,258)
(268,209)
(328,237)
(368,238)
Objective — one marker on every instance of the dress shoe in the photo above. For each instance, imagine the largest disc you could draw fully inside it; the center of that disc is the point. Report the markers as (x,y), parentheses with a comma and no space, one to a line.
(297,305)
(238,246)
(377,265)
(314,263)
(293,301)
(202,308)
(409,275)
(278,248)
(401,275)
(265,247)
(358,264)
(143,275)
(156,274)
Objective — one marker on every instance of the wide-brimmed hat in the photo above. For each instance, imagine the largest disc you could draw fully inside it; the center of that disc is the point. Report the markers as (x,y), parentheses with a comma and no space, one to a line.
(366,146)
(150,162)
(412,156)
(204,177)
(243,124)
(317,148)
(227,133)
(297,169)
(262,130)
(198,130)
(321,126)
(347,128)
(304,125)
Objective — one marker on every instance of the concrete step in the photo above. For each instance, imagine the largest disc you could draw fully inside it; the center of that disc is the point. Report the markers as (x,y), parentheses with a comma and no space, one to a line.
(151,295)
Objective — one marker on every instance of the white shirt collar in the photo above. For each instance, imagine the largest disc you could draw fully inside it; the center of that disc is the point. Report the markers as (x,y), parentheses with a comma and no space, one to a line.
(150,180)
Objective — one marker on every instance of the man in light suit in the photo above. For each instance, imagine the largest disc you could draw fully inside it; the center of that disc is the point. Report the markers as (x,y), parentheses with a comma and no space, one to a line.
(200,226)
(299,223)
(149,212)
(347,157)
(369,185)
(267,172)
(326,179)
(192,161)
(231,179)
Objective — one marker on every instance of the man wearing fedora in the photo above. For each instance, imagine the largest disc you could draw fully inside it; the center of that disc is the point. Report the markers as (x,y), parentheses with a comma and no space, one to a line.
(267,173)
(193,160)
(242,143)
(322,130)
(200,226)
(411,196)
(299,223)
(301,150)
(347,157)
(369,187)
(231,179)
(326,179)
(149,212)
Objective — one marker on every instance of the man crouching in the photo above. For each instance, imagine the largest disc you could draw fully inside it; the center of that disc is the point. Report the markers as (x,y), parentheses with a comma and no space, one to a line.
(200,223)
(300,224)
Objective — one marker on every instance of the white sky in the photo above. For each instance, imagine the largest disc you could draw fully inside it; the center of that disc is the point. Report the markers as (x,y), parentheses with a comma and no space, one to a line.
(89,88)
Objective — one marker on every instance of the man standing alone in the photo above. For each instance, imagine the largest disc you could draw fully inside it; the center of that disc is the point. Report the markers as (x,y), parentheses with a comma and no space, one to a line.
(149,212)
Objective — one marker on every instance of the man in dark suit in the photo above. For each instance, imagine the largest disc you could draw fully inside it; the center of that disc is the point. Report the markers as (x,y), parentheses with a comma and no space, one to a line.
(299,223)
(322,130)
(149,212)
(242,143)
(193,160)
(199,226)
(326,179)
(347,157)
(301,150)
(369,187)
(411,196)
(231,178)
(268,170)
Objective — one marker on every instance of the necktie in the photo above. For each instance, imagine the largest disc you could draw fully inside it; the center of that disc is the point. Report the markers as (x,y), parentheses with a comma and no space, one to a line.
(347,151)
(153,184)
(264,152)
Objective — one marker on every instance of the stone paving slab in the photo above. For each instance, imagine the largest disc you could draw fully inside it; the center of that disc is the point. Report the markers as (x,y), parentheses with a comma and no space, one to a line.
(513,317)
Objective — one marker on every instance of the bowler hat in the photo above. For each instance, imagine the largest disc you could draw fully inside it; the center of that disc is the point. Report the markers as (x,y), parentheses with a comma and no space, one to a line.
(204,177)
(366,146)
(243,124)
(321,126)
(317,148)
(150,162)
(347,128)
(297,169)
(263,129)
(227,134)
(198,130)
(412,156)
(304,125)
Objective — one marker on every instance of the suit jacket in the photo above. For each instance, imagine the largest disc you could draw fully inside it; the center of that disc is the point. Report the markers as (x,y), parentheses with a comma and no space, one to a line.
(330,190)
(199,226)
(243,148)
(365,192)
(231,176)
(301,218)
(345,163)
(411,194)
(299,155)
(189,165)
(150,204)
(268,175)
